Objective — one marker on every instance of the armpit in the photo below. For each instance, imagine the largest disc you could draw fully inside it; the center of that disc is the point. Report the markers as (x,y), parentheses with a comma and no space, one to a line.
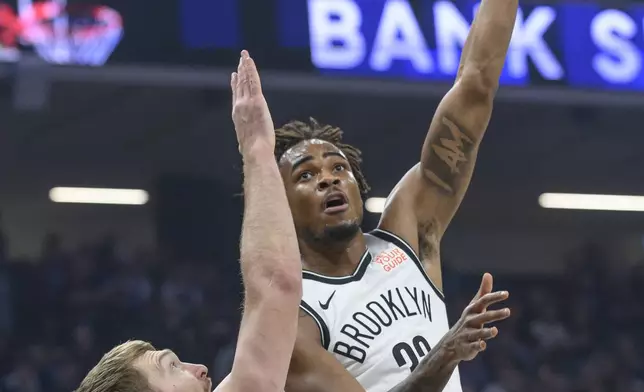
(428,242)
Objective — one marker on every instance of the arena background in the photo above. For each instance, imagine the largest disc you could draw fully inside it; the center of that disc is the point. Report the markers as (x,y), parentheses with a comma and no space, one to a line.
(137,97)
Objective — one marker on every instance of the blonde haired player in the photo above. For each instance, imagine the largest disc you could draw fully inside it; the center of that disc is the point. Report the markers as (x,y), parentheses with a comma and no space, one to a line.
(270,264)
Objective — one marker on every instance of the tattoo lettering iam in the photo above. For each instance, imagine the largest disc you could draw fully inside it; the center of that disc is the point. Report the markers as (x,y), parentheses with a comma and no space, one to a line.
(451,150)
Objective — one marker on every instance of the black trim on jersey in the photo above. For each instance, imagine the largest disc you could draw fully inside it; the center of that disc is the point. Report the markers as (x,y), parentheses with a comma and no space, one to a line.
(325,337)
(356,276)
(402,244)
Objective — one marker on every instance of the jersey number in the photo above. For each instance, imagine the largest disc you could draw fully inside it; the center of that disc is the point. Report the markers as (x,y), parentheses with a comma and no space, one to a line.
(407,355)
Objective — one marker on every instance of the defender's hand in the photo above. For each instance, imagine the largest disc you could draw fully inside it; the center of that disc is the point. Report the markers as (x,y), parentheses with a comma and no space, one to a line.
(468,336)
(253,123)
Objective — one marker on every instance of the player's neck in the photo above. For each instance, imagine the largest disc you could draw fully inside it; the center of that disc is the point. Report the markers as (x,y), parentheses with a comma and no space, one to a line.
(333,259)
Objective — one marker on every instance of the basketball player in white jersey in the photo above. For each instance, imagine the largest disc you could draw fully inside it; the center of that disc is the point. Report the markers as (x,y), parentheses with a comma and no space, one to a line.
(271,269)
(372,305)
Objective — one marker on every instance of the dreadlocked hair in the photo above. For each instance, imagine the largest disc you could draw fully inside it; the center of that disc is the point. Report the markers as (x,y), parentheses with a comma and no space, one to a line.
(296,132)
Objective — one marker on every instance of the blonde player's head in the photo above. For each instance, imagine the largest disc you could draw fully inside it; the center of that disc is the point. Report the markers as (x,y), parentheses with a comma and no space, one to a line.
(136,366)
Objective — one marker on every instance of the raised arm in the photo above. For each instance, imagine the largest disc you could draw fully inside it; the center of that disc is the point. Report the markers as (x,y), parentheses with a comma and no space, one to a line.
(270,258)
(425,200)
(314,369)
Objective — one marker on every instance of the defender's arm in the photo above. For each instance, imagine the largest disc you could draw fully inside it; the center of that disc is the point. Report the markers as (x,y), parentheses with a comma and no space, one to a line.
(423,203)
(270,257)
(271,269)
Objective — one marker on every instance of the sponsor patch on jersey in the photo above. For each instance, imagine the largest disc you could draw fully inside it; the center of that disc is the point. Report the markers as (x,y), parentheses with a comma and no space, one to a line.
(391,258)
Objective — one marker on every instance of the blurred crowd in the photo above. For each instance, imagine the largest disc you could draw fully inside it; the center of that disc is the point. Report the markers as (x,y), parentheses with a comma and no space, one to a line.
(61,312)
(577,332)
(58,314)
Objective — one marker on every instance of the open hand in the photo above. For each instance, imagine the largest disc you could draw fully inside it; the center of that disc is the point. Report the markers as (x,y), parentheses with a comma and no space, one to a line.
(253,123)
(468,336)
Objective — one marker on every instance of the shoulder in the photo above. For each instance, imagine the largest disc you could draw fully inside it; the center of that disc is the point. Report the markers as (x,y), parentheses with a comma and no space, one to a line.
(307,345)
(308,330)
(223,386)
(226,386)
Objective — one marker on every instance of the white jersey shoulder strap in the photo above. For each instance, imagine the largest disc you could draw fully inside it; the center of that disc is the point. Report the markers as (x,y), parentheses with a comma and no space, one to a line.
(319,290)
(387,237)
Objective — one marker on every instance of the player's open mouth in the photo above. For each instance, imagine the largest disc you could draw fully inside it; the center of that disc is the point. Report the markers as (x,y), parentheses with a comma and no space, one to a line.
(335,202)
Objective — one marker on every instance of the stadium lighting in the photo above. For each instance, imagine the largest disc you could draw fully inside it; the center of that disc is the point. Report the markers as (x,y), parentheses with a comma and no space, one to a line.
(576,201)
(98,196)
(375,204)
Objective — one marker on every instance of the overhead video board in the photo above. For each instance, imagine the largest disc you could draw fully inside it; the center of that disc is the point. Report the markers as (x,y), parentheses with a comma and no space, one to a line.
(576,44)
(60,33)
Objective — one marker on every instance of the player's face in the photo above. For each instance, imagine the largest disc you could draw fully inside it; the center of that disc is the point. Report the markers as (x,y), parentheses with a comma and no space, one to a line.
(166,373)
(322,192)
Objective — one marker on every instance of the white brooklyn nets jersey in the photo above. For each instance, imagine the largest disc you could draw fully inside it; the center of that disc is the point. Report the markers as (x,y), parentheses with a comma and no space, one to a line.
(382,320)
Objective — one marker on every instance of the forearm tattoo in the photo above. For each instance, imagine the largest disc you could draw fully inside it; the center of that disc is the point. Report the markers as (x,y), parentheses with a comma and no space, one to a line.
(451,150)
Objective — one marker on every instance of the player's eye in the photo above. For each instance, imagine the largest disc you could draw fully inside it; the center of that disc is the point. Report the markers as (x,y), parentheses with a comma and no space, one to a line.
(306,175)
(174,365)
(339,167)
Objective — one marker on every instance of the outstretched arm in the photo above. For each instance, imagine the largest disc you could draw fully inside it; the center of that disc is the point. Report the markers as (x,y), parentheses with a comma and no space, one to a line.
(314,369)
(425,200)
(270,258)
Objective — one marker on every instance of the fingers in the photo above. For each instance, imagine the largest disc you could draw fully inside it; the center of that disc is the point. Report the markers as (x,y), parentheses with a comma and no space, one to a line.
(247,80)
(487,283)
(249,83)
(478,346)
(255,83)
(242,87)
(233,86)
(482,334)
(489,316)
(482,303)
